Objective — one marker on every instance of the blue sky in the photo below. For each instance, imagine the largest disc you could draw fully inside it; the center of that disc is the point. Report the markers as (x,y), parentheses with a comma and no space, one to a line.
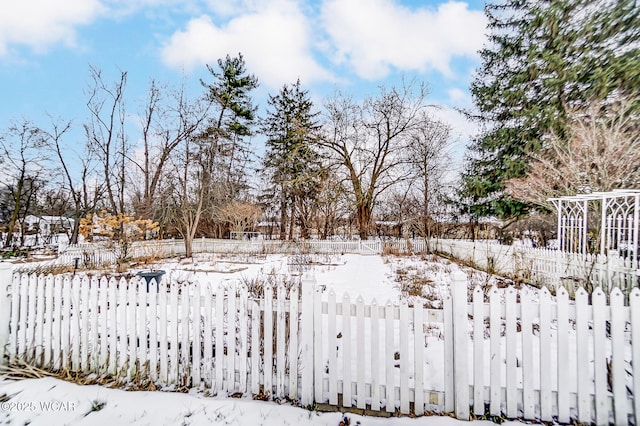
(47,47)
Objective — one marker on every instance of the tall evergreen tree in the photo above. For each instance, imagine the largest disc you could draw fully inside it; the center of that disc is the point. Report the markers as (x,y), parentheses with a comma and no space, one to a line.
(225,144)
(291,163)
(205,168)
(543,57)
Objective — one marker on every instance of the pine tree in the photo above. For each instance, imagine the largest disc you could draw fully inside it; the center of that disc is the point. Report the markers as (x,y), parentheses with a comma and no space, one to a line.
(543,58)
(291,164)
(225,144)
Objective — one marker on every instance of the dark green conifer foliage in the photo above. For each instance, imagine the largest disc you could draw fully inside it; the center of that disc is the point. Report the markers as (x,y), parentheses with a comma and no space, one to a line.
(543,57)
(291,164)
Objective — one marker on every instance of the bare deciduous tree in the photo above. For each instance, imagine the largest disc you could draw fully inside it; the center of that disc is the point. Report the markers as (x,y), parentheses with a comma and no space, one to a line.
(369,140)
(23,167)
(240,215)
(106,134)
(601,152)
(167,120)
(428,157)
(84,190)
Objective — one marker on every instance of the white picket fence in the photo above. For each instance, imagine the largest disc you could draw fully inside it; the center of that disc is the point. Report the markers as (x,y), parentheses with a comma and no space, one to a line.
(545,267)
(221,338)
(506,353)
(97,254)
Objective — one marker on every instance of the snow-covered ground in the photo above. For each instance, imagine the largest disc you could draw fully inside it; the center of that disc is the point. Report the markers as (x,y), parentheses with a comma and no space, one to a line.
(372,277)
(49,401)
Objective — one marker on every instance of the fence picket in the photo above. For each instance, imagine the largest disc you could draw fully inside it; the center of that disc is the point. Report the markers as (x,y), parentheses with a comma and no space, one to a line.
(461,340)
(231,338)
(404,357)
(47,341)
(319,338)
(163,322)
(526,314)
(478,351)
(360,354)
(122,327)
(634,305)
(184,367)
(511,353)
(219,343)
(618,373)
(39,320)
(332,348)
(564,364)
(545,355)
(132,327)
(306,340)
(142,341)
(207,361)
(346,351)
(598,299)
(31,317)
(152,319)
(449,391)
(22,315)
(85,330)
(389,358)
(196,351)
(495,323)
(582,360)
(15,316)
(255,345)
(111,289)
(375,356)
(242,342)
(293,343)
(174,323)
(74,317)
(268,340)
(280,342)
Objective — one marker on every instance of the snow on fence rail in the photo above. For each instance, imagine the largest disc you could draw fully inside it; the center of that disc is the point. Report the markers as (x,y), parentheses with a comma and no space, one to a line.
(507,353)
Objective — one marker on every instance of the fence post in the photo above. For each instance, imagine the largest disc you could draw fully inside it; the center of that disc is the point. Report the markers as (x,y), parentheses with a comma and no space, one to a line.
(6,274)
(306,339)
(460,344)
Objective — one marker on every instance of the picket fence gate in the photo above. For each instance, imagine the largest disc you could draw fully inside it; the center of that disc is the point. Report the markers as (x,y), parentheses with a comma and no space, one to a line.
(502,352)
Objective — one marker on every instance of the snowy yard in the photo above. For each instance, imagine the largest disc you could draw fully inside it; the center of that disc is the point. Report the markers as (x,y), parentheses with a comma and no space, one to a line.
(49,401)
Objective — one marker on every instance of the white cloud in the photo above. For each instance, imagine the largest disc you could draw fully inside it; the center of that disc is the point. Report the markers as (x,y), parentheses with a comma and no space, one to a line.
(40,24)
(374,36)
(274,37)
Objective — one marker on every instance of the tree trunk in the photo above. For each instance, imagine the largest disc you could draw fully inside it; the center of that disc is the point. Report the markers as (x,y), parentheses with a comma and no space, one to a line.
(14,213)
(188,244)
(363,214)
(283,221)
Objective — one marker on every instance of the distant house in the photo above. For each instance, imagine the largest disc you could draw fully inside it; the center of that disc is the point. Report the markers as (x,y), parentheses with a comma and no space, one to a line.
(47,225)
(269,229)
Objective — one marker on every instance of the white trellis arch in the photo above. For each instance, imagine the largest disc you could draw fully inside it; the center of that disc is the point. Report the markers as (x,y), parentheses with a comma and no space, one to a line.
(610,220)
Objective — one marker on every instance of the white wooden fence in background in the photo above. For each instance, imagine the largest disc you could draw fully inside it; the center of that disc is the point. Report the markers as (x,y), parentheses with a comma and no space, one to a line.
(512,353)
(545,267)
(542,267)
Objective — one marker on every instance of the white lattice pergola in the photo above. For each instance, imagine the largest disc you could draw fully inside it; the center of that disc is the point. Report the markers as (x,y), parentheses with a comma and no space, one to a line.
(612,216)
